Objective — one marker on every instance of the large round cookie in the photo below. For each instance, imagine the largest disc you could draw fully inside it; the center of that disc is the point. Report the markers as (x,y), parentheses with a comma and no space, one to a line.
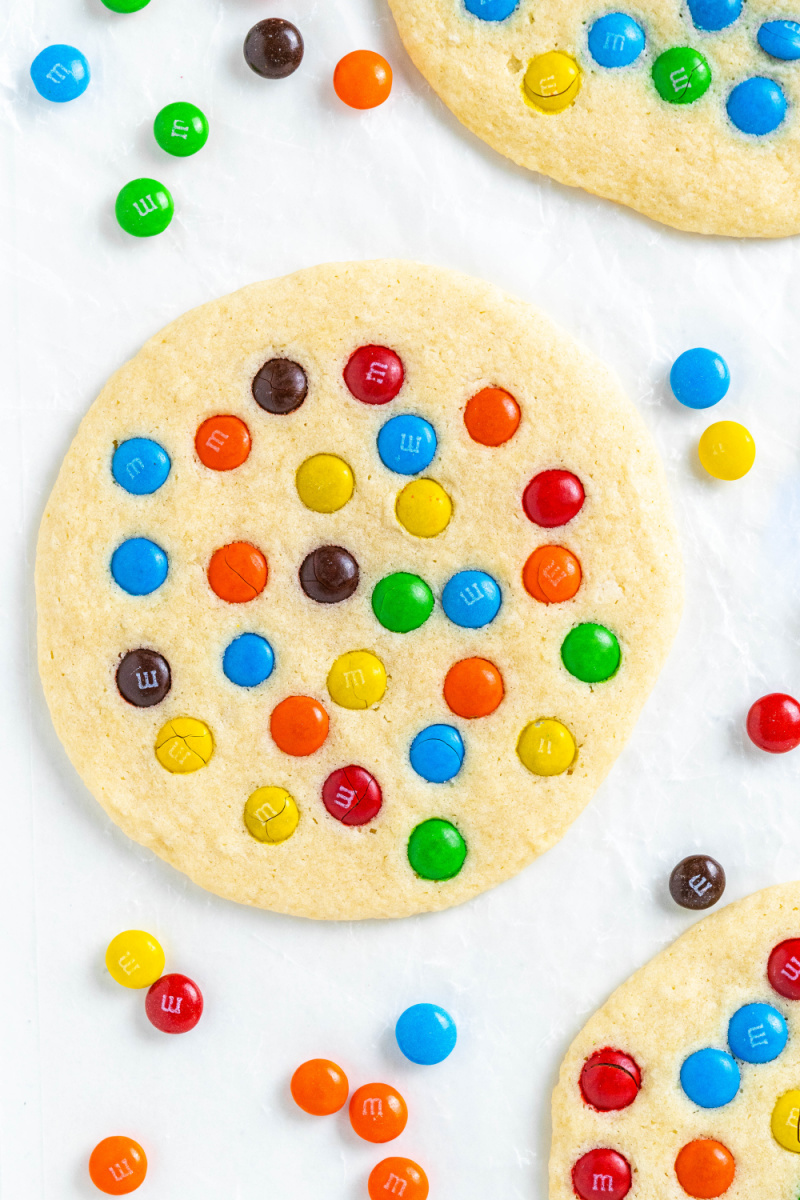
(694,999)
(664,144)
(327,850)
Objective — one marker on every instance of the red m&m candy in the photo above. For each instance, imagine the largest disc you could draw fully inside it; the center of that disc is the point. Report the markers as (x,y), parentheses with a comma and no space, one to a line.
(374,374)
(773,723)
(553,498)
(352,795)
(610,1080)
(783,969)
(602,1172)
(174,1004)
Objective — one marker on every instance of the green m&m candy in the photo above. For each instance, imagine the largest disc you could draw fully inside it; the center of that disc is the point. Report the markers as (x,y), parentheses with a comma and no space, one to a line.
(436,850)
(126,6)
(591,653)
(181,129)
(681,75)
(402,602)
(144,207)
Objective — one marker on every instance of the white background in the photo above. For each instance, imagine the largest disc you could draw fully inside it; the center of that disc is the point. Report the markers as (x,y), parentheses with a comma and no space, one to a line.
(290,177)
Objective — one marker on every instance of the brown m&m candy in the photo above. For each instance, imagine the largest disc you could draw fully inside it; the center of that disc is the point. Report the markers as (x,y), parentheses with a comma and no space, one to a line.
(274,48)
(280,386)
(697,882)
(329,574)
(143,678)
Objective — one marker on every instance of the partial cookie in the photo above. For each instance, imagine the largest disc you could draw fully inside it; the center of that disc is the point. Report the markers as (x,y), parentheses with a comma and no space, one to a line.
(351,588)
(686,112)
(686,1082)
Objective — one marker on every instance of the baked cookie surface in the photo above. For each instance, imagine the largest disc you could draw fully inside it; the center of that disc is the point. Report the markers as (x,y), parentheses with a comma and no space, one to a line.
(311,675)
(687,1081)
(688,113)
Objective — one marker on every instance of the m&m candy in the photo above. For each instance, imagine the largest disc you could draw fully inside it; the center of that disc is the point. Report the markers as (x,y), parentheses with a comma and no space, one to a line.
(785,1122)
(280,386)
(324,483)
(727,450)
(436,849)
(238,572)
(181,129)
(378,1112)
(329,574)
(362,79)
(551,82)
(134,959)
(783,969)
(426,1034)
(424,508)
(553,498)
(248,660)
(473,688)
(681,75)
(271,815)
(699,378)
(140,466)
(299,725)
(407,444)
(397,1177)
(139,566)
(710,1078)
(491,10)
(374,374)
(773,723)
(184,745)
(126,6)
(492,416)
(437,753)
(352,795)
(713,15)
(402,602)
(591,653)
(612,1168)
(757,1033)
(144,207)
(705,1169)
(320,1087)
(471,599)
(757,106)
(616,40)
(274,48)
(60,73)
(117,1166)
(546,747)
(780,39)
(552,574)
(610,1080)
(697,882)
(143,678)
(222,443)
(357,679)
(174,1004)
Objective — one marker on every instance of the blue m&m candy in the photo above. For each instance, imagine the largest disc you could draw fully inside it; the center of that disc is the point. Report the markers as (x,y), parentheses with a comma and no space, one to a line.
(713,15)
(757,1033)
(616,40)
(699,378)
(139,566)
(248,660)
(437,753)
(426,1034)
(491,10)
(60,73)
(757,106)
(710,1078)
(140,466)
(780,39)
(471,599)
(406,444)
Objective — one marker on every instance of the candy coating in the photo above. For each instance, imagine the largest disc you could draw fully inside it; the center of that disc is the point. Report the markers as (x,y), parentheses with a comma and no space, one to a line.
(681,75)
(60,73)
(471,599)
(299,725)
(780,39)
(551,82)
(491,10)
(705,1169)
(271,814)
(357,679)
(274,48)
(546,747)
(710,1078)
(610,1080)
(280,386)
(139,566)
(699,378)
(184,745)
(174,1004)
(319,1087)
(552,574)
(362,79)
(783,969)
(591,652)
(144,207)
(140,466)
(134,959)
(181,129)
(426,1034)
(374,374)
(407,444)
(329,574)
(492,416)
(143,678)
(757,1033)
(608,1165)
(436,850)
(324,483)
(773,723)
(398,1176)
(117,1166)
(352,795)
(222,443)
(785,1121)
(378,1112)
(713,15)
(437,753)
(473,688)
(424,508)
(248,660)
(616,40)
(402,602)
(553,498)
(238,572)
(727,450)
(757,106)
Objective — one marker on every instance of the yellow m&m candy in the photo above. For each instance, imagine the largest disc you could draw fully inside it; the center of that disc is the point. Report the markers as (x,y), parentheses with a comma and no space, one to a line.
(135,959)
(424,508)
(324,483)
(357,680)
(786,1121)
(271,814)
(546,747)
(727,450)
(551,82)
(184,745)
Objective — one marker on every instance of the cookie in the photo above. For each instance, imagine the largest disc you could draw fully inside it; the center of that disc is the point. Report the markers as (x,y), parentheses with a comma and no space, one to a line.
(685,1082)
(687,112)
(351,588)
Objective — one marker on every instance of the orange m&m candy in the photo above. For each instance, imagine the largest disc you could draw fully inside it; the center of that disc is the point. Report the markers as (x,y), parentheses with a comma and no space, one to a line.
(319,1087)
(552,574)
(362,79)
(237,572)
(398,1177)
(473,687)
(299,725)
(492,416)
(222,443)
(378,1112)
(705,1169)
(117,1166)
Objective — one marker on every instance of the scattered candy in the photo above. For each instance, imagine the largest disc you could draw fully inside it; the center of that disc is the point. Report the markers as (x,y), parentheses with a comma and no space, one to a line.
(299,725)
(181,129)
(174,1004)
(237,573)
(773,723)
(117,1166)
(552,82)
(473,688)
(139,566)
(362,79)
(378,1112)
(436,850)
(699,378)
(402,602)
(471,599)
(280,387)
(491,10)
(681,75)
(274,48)
(552,574)
(320,1087)
(357,679)
(424,508)
(610,1080)
(713,15)
(135,959)
(271,815)
(606,1165)
(126,6)
(437,753)
(352,795)
(591,653)
(222,443)
(616,40)
(248,660)
(492,417)
(325,483)
(140,466)
(374,374)
(329,574)
(60,73)
(757,106)
(397,1177)
(785,1123)
(407,444)
(697,882)
(710,1078)
(143,678)
(144,207)
(184,745)
(783,969)
(546,747)
(705,1169)
(553,498)
(780,39)
(727,450)
(426,1034)
(757,1033)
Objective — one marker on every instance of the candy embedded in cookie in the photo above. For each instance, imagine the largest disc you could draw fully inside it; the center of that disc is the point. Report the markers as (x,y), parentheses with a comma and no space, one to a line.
(352,795)
(329,574)
(143,678)
(610,1080)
